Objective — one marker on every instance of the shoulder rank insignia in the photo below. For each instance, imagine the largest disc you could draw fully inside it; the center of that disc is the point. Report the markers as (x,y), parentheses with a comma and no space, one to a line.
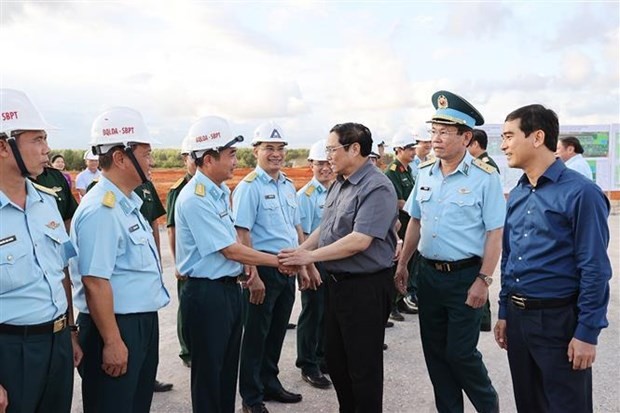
(200,190)
(485,159)
(310,190)
(393,167)
(427,163)
(177,183)
(484,166)
(250,177)
(109,199)
(45,189)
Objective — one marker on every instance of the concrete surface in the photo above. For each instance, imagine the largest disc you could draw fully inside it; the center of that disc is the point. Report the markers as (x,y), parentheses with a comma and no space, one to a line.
(407,388)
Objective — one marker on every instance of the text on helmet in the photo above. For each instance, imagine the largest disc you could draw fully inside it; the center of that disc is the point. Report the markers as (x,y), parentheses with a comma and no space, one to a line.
(9,115)
(212,135)
(115,131)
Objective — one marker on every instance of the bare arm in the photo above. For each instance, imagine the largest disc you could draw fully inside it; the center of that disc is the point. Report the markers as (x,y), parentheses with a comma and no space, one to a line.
(345,247)
(478,293)
(254,283)
(412,238)
(100,301)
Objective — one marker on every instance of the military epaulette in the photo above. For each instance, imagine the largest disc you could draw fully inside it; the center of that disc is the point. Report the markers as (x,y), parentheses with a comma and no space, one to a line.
(45,189)
(250,177)
(426,163)
(200,189)
(393,167)
(109,199)
(177,183)
(484,166)
(310,190)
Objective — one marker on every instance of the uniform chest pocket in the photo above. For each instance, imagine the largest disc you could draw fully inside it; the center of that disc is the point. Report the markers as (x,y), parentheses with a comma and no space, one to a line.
(270,205)
(463,200)
(139,249)
(16,270)
(423,196)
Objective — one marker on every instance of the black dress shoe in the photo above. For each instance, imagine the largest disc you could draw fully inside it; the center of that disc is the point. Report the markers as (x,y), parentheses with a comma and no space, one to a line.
(323,368)
(396,315)
(282,396)
(255,408)
(407,306)
(316,379)
(389,324)
(161,387)
(187,363)
(385,346)
(291,326)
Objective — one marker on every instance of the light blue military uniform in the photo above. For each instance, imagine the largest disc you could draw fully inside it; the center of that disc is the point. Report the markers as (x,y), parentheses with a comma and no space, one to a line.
(414,165)
(268,208)
(453,206)
(34,249)
(311,199)
(211,300)
(116,243)
(198,246)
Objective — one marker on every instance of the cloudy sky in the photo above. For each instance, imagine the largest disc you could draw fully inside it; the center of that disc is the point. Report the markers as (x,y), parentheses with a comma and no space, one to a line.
(307,65)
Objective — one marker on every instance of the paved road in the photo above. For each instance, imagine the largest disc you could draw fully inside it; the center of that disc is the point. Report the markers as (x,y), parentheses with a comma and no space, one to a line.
(407,386)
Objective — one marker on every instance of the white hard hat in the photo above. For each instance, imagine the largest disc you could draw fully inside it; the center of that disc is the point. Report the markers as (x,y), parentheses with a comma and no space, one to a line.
(18,113)
(119,126)
(268,132)
(403,138)
(90,156)
(210,133)
(374,152)
(317,151)
(424,134)
(185,146)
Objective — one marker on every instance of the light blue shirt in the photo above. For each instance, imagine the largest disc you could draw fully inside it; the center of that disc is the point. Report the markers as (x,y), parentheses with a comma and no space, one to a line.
(115,242)
(457,210)
(34,249)
(311,203)
(414,166)
(204,227)
(268,209)
(578,163)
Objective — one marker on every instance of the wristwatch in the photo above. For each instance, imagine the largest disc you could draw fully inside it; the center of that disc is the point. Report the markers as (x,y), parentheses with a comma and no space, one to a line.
(487,280)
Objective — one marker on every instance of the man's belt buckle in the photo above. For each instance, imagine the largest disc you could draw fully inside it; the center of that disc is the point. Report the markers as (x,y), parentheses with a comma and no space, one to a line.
(443,266)
(518,301)
(60,324)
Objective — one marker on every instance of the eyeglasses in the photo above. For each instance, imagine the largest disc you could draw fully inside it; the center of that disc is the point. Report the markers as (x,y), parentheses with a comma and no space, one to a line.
(321,164)
(272,149)
(444,133)
(329,150)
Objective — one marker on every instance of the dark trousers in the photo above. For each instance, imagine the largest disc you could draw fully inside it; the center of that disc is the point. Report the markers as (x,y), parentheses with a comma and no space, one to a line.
(212,314)
(414,270)
(449,330)
(133,391)
(265,328)
(542,378)
(184,353)
(357,309)
(486,313)
(37,372)
(311,328)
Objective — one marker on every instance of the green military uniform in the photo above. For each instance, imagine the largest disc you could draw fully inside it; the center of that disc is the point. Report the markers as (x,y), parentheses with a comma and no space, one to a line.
(402,178)
(171,200)
(485,324)
(54,179)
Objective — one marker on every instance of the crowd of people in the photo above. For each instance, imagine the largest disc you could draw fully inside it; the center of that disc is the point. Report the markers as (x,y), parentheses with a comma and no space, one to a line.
(362,240)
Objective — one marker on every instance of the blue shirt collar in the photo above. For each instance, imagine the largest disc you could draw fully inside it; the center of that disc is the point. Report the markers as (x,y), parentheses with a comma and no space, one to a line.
(127,203)
(216,192)
(32,196)
(264,176)
(464,166)
(553,173)
(319,186)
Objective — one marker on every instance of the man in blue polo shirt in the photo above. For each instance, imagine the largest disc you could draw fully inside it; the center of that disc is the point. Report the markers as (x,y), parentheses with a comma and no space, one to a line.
(555,270)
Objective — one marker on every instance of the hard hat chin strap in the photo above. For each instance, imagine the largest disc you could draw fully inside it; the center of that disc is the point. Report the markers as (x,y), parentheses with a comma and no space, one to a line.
(18,156)
(129,151)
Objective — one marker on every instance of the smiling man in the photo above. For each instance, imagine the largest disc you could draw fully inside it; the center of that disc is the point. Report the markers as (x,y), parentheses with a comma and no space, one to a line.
(355,242)
(457,213)
(555,270)
(118,276)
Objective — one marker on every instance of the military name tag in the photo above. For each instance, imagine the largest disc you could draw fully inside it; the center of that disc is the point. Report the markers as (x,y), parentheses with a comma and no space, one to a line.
(270,196)
(223,214)
(7,240)
(425,188)
(134,228)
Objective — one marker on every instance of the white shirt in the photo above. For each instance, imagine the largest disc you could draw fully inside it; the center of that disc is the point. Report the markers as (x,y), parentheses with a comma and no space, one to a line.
(85,177)
(579,164)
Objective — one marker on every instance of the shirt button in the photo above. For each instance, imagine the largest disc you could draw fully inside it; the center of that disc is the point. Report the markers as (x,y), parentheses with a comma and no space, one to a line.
(534,190)
(9,258)
(435,255)
(520,258)
(525,235)
(517,280)
(434,235)
(529,212)
(436,218)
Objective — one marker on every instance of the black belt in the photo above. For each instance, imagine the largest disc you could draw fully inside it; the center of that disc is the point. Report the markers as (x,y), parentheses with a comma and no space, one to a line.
(341,276)
(449,266)
(524,303)
(51,327)
(225,280)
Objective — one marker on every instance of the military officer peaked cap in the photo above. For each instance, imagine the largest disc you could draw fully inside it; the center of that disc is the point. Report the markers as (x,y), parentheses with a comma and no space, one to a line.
(451,109)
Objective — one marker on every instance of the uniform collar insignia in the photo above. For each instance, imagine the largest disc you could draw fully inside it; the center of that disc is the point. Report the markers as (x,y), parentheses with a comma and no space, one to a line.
(52,224)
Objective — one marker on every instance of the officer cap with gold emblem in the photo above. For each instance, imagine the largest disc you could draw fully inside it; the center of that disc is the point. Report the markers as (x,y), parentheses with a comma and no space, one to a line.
(451,109)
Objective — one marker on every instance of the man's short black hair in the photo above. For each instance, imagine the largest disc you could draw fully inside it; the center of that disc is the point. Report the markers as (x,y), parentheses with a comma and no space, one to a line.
(537,117)
(572,141)
(350,133)
(481,137)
